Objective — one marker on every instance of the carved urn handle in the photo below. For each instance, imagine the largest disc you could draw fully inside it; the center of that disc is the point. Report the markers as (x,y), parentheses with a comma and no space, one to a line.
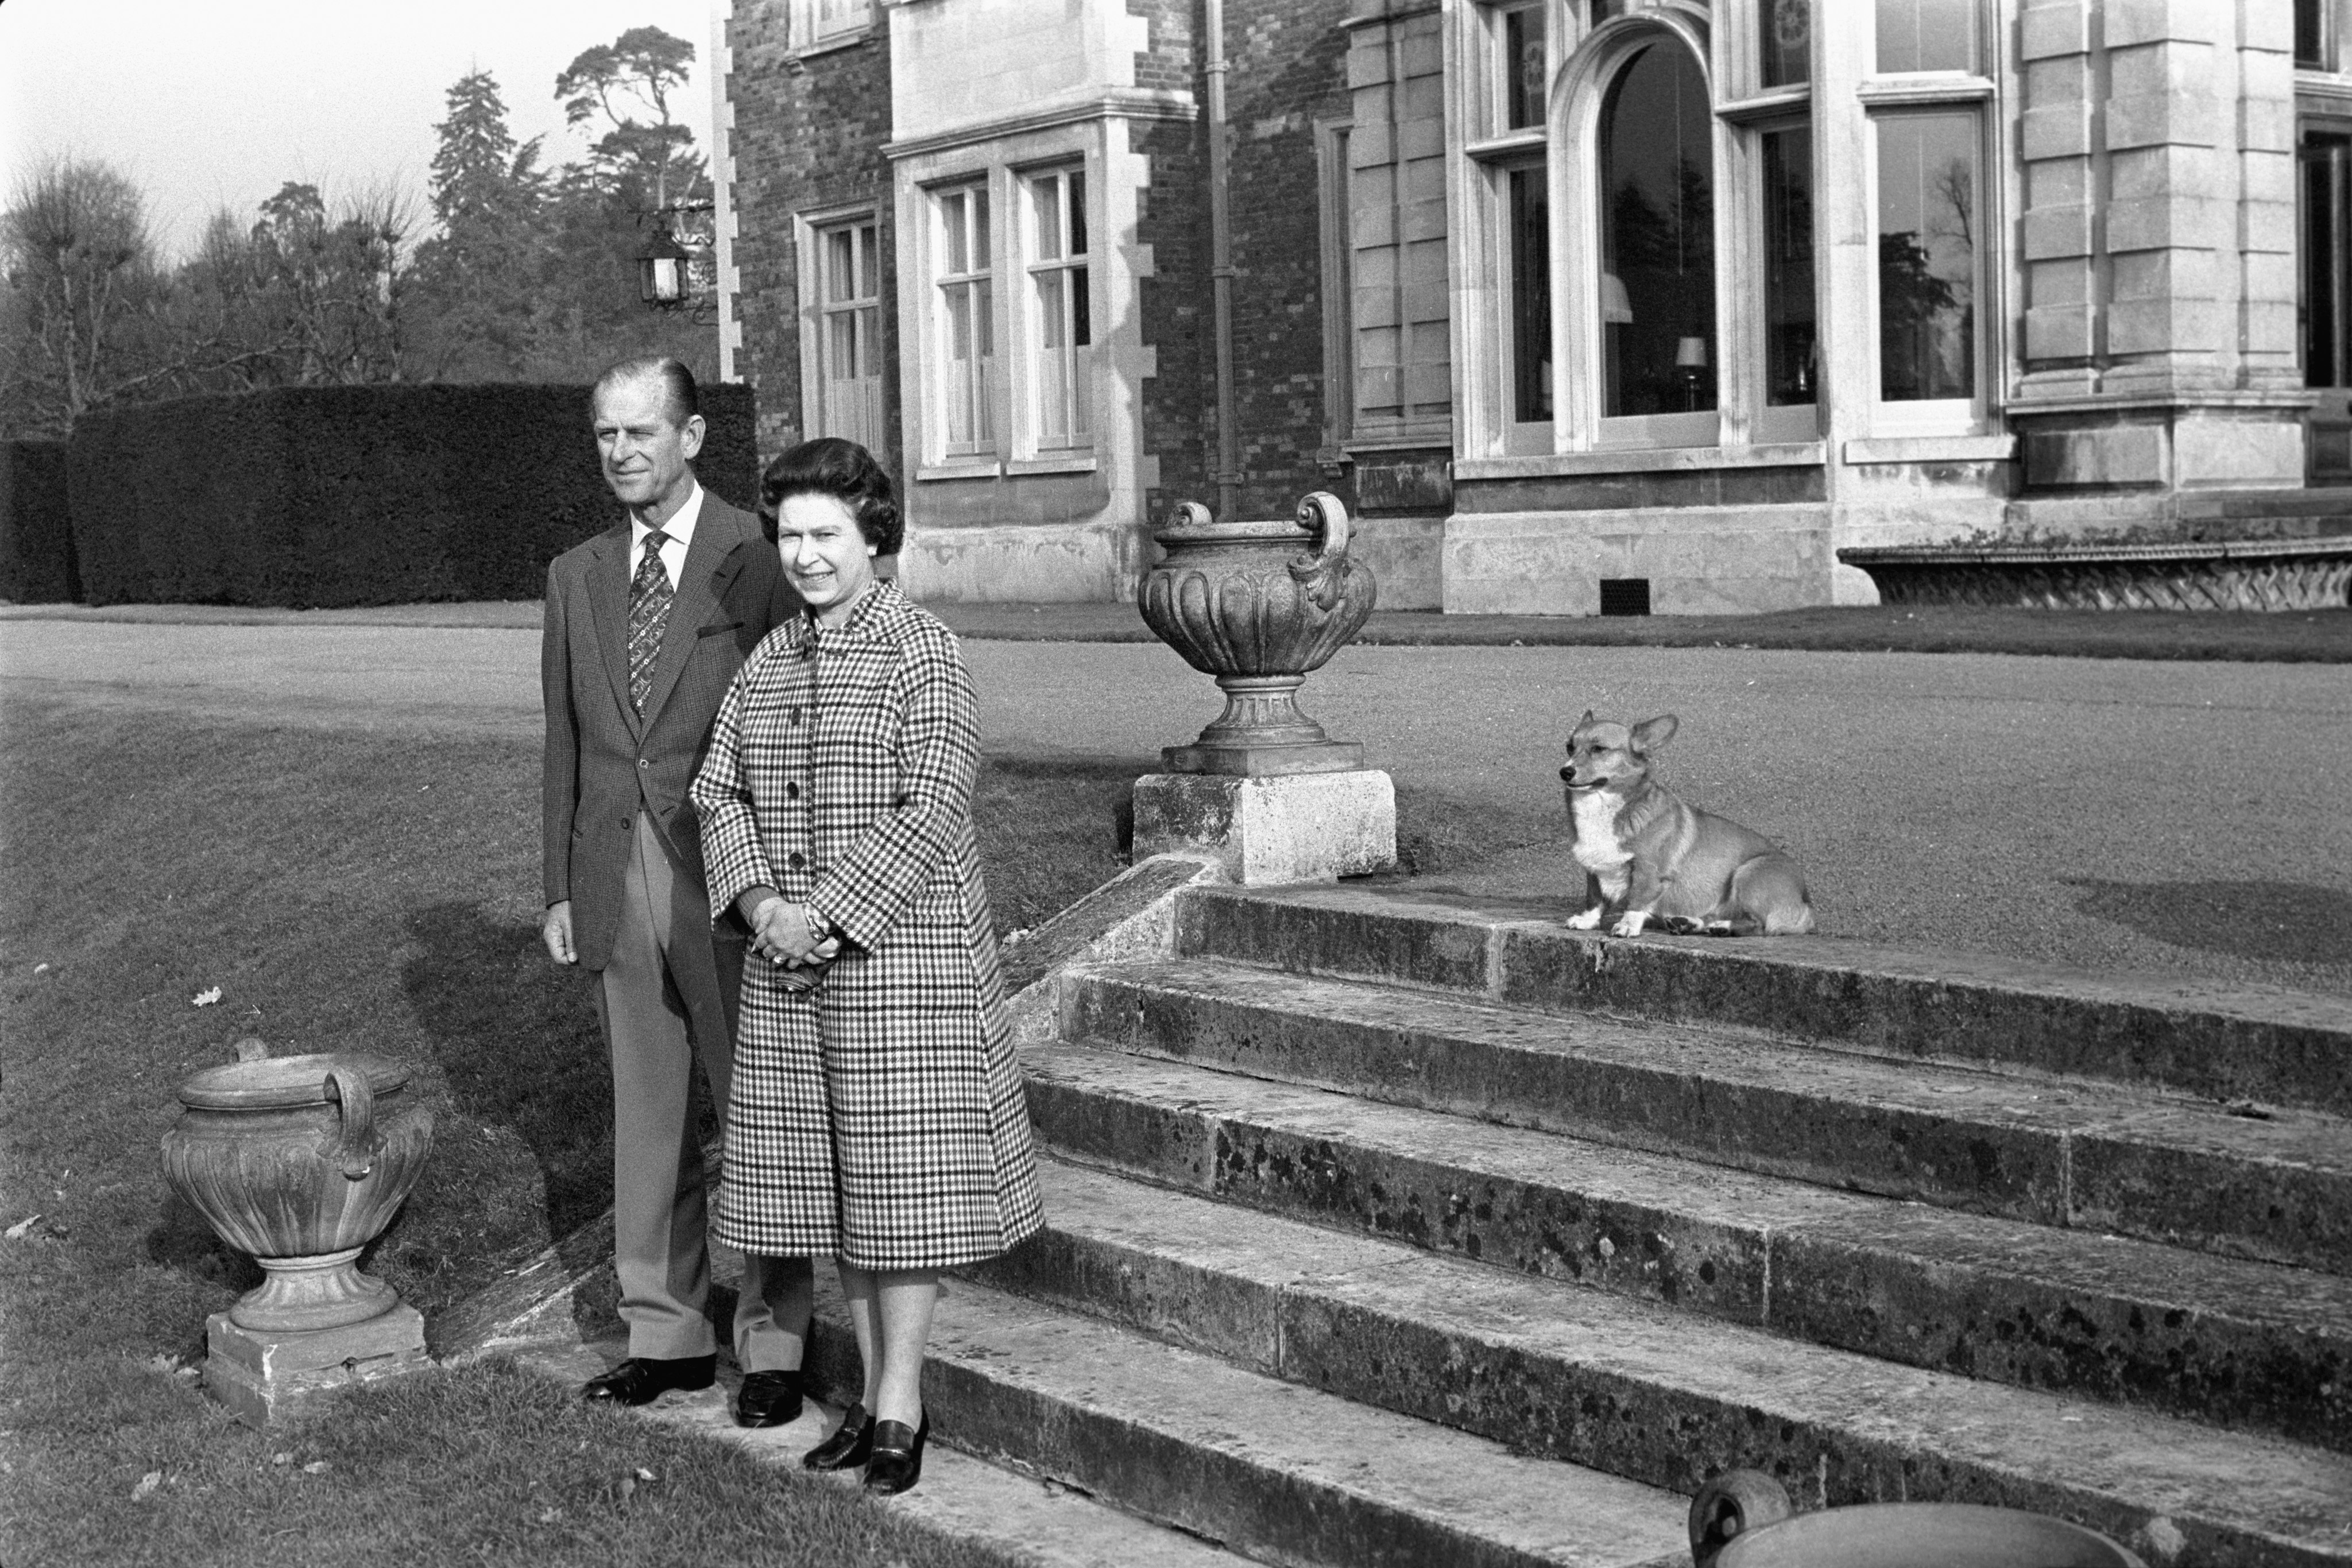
(351,1152)
(1322,575)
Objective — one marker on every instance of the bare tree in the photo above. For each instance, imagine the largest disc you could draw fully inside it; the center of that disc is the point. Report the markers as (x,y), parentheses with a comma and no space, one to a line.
(84,288)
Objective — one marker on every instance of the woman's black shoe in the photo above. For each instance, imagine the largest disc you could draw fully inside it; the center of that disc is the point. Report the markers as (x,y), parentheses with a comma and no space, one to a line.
(897,1461)
(850,1444)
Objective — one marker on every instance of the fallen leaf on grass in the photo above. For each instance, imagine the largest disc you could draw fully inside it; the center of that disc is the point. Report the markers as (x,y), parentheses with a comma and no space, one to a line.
(207,997)
(160,1361)
(16,1231)
(40,968)
(315,1467)
(645,1475)
(281,1459)
(146,1487)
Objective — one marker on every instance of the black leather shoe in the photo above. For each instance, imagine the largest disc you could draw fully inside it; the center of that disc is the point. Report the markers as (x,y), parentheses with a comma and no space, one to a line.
(642,1379)
(897,1461)
(850,1444)
(768,1399)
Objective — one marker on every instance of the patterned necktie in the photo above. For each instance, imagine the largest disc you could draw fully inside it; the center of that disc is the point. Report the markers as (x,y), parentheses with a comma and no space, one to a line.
(649,596)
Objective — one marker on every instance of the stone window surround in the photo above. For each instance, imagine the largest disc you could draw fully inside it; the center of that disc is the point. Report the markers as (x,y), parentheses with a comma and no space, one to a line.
(809,228)
(807,44)
(1883,96)
(1937,433)
(1335,233)
(1001,161)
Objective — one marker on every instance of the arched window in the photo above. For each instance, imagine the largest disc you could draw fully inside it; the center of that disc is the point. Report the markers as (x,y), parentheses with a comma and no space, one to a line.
(1657,238)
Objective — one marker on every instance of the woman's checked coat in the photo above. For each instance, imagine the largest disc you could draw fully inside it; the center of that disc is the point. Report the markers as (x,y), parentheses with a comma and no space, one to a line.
(878,1118)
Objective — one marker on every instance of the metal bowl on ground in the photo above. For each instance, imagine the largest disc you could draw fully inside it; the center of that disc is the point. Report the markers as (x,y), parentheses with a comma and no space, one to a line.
(1743,1519)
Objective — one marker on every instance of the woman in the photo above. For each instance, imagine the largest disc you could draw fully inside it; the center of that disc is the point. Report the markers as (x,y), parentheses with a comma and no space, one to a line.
(877,1115)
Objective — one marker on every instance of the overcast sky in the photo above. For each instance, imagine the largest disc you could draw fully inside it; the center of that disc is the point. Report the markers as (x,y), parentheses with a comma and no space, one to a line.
(213,103)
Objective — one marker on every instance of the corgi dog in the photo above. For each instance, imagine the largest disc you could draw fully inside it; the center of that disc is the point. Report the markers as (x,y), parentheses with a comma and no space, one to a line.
(1647,857)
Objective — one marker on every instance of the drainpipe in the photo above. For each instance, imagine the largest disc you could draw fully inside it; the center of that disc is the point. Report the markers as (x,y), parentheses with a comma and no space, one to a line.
(1221,262)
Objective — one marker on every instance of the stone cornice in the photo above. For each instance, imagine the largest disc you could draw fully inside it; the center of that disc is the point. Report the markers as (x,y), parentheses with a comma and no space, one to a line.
(1120,103)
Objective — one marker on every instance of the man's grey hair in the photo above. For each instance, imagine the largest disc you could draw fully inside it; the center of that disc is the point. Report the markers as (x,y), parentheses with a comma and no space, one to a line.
(681,398)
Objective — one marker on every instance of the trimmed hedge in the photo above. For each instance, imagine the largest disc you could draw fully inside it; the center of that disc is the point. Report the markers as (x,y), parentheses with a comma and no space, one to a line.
(36,556)
(330,496)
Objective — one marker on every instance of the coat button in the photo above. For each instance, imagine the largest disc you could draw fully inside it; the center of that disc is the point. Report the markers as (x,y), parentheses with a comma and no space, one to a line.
(645,762)
(798,860)
(793,716)
(791,791)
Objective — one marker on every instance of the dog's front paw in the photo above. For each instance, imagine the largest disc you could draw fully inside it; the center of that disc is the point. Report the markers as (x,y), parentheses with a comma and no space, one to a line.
(1590,920)
(1629,924)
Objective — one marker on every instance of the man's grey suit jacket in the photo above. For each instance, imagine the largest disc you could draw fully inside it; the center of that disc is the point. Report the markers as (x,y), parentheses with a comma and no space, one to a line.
(602,762)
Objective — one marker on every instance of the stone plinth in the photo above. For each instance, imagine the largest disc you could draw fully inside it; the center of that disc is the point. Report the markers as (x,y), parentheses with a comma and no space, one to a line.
(1298,827)
(261,1375)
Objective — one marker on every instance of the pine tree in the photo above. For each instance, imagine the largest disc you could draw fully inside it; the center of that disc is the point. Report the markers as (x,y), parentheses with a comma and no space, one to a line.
(481,274)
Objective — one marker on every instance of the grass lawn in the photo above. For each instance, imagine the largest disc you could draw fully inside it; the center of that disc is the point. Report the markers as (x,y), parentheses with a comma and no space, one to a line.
(344,891)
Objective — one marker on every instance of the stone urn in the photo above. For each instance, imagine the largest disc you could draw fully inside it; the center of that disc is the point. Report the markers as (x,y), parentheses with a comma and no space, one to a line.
(1743,1519)
(301,1161)
(1259,605)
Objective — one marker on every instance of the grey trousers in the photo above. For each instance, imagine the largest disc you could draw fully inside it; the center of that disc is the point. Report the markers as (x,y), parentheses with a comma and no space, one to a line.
(667,998)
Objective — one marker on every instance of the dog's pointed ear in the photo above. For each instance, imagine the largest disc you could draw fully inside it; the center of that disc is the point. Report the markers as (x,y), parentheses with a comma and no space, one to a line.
(1653,733)
(1584,722)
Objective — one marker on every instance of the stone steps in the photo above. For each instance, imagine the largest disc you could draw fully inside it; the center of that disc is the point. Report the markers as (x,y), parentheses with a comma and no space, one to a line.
(2271,1046)
(1015,1519)
(1271,1469)
(2048,1151)
(1663,1398)
(2225,1341)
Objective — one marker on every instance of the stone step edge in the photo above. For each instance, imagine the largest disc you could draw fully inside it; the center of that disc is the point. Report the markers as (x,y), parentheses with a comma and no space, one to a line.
(1282,1472)
(2269,1046)
(1863,1275)
(1486,1351)
(2098,1157)
(1018,1520)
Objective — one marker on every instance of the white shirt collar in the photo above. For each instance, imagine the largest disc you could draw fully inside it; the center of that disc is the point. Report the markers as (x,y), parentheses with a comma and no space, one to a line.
(679,530)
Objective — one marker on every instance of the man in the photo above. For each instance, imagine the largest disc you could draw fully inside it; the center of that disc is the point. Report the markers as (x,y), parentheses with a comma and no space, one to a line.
(647,624)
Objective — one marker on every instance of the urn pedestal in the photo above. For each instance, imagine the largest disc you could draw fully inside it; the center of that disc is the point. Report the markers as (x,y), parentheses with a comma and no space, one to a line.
(1259,606)
(301,1161)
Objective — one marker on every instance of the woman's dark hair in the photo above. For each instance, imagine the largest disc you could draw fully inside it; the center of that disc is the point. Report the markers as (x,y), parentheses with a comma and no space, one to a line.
(845,471)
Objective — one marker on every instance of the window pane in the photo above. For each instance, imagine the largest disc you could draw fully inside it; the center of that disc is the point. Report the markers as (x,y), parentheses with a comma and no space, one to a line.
(1927,256)
(841,348)
(839,275)
(2311,36)
(1523,67)
(1049,310)
(956,220)
(1045,202)
(1076,181)
(1530,243)
(2326,262)
(979,195)
(1657,237)
(869,280)
(1926,35)
(1790,317)
(1788,42)
(1082,325)
(959,324)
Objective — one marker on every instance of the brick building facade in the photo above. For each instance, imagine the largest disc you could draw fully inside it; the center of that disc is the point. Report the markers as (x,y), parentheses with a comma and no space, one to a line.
(1675,295)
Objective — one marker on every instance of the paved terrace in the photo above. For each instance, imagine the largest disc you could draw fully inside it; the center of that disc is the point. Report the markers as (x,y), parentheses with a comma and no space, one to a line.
(2184,817)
